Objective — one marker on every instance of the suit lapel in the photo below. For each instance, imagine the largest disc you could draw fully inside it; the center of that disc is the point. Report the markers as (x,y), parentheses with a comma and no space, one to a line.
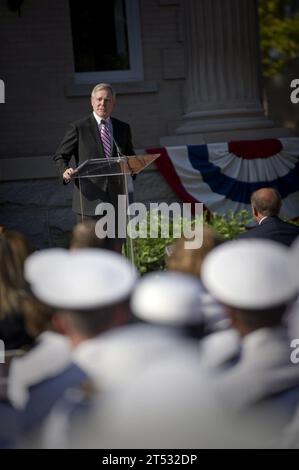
(116,136)
(115,129)
(93,127)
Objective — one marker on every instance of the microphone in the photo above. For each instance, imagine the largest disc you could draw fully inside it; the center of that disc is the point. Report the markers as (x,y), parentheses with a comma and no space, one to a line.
(119,153)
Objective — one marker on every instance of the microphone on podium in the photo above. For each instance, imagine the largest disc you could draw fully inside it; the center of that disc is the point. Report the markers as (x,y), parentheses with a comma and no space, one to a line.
(119,153)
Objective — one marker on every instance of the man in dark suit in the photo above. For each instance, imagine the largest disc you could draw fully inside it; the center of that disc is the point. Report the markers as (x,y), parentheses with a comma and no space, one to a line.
(266,204)
(96,136)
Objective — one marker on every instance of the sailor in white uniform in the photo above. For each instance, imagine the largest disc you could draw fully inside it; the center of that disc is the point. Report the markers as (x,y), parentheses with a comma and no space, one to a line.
(245,397)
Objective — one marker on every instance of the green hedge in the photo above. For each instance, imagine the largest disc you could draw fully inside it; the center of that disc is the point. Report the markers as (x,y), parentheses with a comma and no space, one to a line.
(149,253)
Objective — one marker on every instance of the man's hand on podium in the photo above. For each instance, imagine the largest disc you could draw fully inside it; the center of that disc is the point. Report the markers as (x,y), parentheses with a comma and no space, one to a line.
(68,174)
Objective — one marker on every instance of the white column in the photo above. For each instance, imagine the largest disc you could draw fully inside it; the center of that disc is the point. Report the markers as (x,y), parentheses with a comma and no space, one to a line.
(222,92)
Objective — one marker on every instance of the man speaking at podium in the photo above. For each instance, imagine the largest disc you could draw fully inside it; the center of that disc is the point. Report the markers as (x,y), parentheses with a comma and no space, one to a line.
(97,136)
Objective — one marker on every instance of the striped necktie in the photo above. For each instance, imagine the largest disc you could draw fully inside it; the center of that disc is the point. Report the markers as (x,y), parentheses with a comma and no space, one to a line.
(105,138)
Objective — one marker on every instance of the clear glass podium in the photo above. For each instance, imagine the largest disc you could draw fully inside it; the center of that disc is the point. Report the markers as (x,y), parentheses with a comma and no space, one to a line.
(123,167)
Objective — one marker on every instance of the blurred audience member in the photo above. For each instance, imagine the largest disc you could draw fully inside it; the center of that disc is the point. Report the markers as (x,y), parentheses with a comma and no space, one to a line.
(255,281)
(168,304)
(20,248)
(170,299)
(291,435)
(84,294)
(12,297)
(84,236)
(189,261)
(177,301)
(244,401)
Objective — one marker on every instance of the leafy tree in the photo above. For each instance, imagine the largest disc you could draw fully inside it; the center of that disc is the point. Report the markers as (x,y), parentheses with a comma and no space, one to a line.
(279,34)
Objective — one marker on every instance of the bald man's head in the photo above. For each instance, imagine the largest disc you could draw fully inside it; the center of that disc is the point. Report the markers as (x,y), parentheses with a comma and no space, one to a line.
(266,202)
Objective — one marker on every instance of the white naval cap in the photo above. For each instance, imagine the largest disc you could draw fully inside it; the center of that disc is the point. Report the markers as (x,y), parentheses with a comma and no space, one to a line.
(81,279)
(250,274)
(36,264)
(169,298)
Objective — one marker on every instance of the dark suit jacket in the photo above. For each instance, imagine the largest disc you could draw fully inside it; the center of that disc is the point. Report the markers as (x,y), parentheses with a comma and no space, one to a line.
(273,228)
(82,141)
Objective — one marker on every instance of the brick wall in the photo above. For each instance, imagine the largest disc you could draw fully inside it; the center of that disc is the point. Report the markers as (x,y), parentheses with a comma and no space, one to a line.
(36,64)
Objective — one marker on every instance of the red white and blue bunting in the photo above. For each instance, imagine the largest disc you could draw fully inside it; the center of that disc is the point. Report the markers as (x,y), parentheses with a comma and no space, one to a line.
(224,175)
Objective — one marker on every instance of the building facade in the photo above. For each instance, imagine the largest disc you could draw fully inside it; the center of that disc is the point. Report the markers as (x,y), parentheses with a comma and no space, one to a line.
(184,72)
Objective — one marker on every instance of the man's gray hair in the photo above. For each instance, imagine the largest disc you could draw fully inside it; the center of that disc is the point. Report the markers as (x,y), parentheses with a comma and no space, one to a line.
(103,86)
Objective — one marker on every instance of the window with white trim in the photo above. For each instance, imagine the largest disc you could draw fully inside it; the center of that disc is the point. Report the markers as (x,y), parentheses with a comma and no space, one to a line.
(106,40)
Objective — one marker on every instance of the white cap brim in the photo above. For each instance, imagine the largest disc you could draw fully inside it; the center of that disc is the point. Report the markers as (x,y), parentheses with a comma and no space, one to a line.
(81,279)
(250,274)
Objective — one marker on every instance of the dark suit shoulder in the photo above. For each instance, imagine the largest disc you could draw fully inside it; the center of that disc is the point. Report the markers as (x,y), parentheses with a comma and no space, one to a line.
(84,122)
(119,123)
(278,222)
(273,228)
(293,227)
(249,233)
